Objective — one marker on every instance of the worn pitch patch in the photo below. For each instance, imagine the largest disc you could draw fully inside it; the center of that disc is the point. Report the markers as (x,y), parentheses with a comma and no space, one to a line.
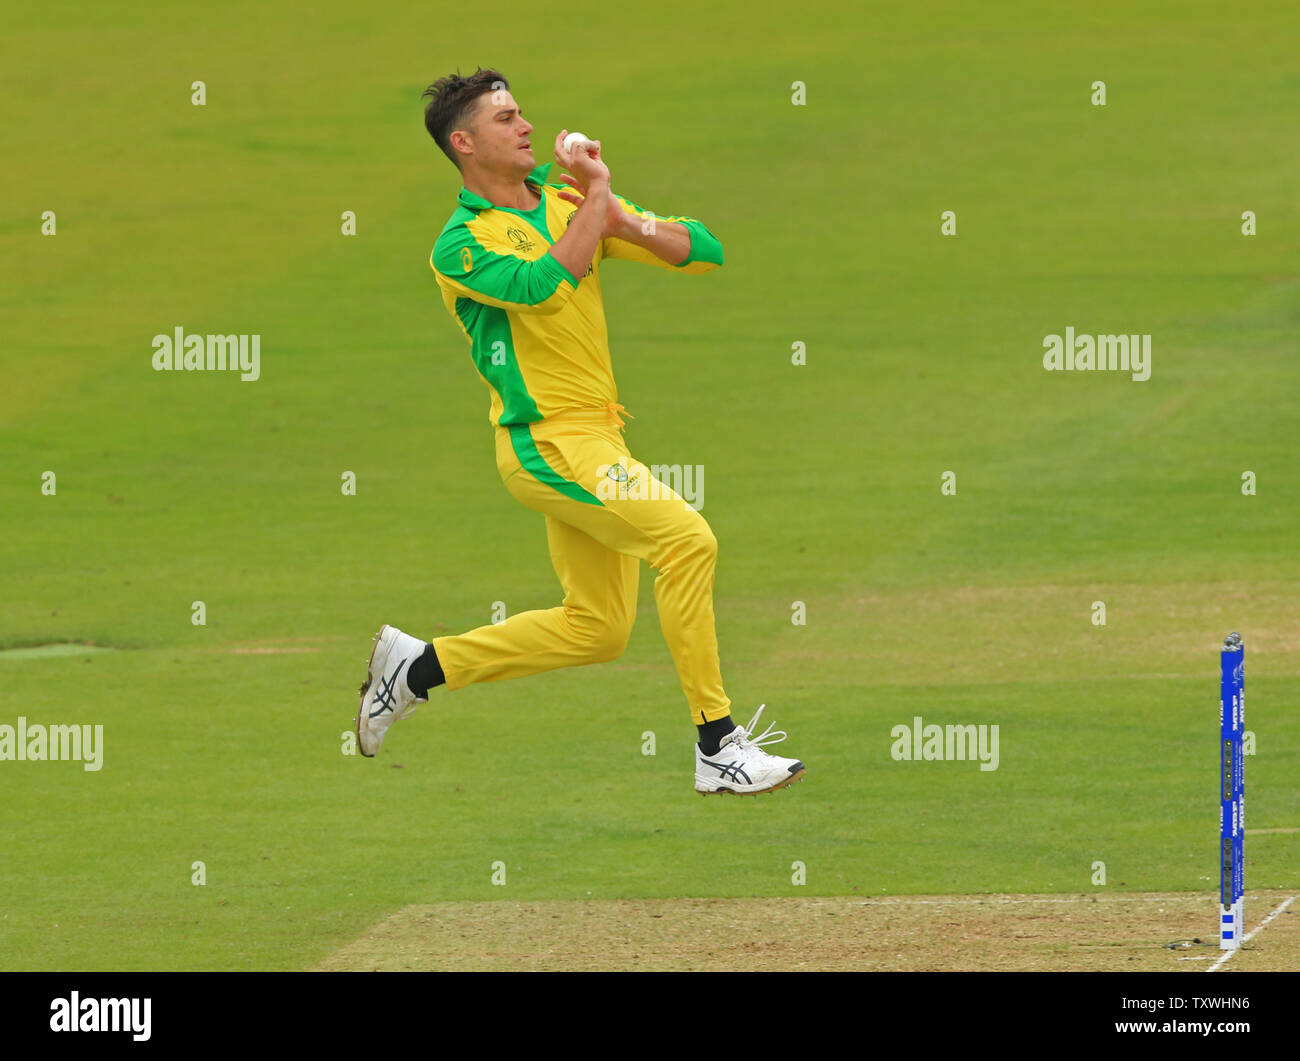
(278,646)
(55,651)
(1091,932)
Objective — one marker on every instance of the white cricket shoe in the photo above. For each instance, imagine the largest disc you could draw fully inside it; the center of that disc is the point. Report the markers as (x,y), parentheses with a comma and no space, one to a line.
(741,766)
(390,698)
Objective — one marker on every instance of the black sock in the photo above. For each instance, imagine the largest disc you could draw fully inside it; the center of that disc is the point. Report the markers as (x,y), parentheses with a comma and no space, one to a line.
(711,733)
(424,673)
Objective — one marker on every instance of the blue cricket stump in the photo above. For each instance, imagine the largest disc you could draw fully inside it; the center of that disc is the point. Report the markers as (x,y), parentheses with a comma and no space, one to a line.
(1232,791)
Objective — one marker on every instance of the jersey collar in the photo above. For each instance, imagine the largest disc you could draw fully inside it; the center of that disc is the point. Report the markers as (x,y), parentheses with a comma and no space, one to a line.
(471,201)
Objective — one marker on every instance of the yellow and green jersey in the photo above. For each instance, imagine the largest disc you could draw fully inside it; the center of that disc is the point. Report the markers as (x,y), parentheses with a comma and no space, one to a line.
(537,332)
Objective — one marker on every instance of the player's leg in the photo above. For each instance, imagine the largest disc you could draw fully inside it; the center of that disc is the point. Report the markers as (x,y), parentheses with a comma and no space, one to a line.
(592,625)
(622,507)
(583,479)
(557,469)
(586,478)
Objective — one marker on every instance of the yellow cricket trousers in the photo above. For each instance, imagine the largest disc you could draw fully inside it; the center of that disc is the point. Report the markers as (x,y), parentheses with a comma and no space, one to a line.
(603,516)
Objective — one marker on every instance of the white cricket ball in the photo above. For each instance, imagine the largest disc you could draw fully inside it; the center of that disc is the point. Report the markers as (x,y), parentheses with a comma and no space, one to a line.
(572,139)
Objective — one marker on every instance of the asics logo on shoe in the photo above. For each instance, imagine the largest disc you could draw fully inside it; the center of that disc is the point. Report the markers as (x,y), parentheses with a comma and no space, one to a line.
(385,698)
(731,771)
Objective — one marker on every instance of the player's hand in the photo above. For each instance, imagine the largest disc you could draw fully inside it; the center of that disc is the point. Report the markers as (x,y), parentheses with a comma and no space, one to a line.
(584,161)
(587,165)
(615,217)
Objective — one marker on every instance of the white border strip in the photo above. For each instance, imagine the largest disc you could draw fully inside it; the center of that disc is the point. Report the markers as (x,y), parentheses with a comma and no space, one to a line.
(1258,929)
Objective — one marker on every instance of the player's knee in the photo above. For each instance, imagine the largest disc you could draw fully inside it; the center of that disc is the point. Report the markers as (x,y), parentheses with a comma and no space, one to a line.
(605,639)
(703,543)
(693,548)
(607,649)
(613,640)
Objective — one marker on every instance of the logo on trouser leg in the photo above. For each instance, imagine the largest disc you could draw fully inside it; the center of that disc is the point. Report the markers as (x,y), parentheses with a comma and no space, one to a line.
(659,482)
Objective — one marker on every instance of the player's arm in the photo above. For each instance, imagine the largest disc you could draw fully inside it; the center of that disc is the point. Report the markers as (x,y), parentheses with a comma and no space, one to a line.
(575,249)
(506,281)
(679,242)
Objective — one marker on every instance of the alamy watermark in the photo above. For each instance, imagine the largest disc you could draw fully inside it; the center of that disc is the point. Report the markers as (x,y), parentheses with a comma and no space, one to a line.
(920,741)
(658,482)
(179,352)
(40,743)
(1098,353)
(77,1014)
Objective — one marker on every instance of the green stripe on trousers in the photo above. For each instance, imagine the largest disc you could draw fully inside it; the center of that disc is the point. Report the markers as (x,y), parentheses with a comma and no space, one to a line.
(521,438)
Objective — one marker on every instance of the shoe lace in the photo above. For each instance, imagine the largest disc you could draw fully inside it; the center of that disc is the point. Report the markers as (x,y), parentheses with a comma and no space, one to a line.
(766,737)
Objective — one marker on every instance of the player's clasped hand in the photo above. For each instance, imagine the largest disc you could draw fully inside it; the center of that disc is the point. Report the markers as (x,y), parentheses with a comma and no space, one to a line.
(587,165)
(584,162)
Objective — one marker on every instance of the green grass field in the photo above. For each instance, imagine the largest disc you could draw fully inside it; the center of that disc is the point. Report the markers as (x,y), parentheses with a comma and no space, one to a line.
(222,742)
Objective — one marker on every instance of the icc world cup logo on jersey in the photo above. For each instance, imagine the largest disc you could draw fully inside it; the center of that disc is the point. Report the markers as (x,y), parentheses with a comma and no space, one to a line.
(520,239)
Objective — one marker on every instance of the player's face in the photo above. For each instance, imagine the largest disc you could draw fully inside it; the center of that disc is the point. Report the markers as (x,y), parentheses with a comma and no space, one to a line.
(501,136)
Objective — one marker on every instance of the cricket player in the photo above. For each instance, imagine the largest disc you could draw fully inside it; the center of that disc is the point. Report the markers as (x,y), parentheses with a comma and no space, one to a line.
(519,269)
